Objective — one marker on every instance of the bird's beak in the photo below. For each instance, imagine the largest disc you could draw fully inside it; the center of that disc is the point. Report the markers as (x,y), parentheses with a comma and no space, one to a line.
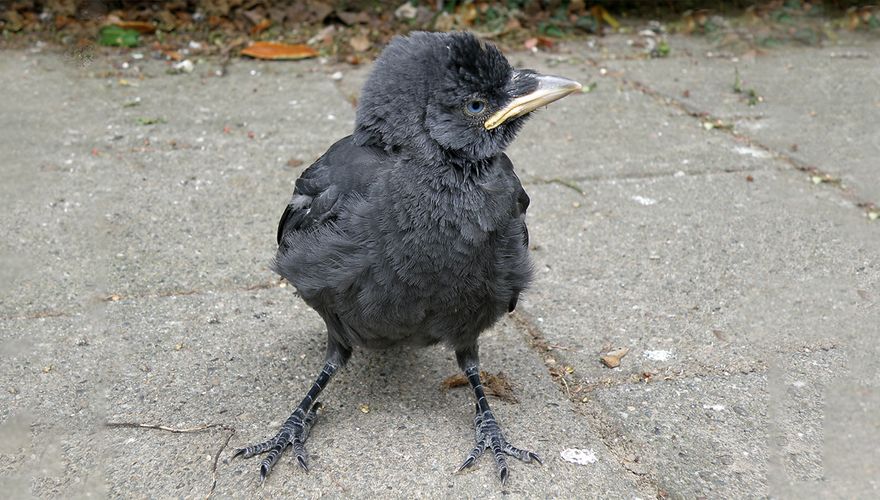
(550,88)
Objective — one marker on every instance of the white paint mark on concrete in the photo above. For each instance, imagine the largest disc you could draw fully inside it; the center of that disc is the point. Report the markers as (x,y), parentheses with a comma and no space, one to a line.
(750,151)
(579,456)
(657,355)
(643,200)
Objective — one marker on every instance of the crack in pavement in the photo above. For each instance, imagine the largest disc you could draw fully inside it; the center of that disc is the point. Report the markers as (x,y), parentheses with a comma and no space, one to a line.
(116,297)
(819,176)
(276,283)
(570,182)
(627,451)
(46,313)
(230,432)
(610,434)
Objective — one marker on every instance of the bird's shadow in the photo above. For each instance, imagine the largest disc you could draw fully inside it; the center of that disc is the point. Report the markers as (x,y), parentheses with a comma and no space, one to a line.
(400,376)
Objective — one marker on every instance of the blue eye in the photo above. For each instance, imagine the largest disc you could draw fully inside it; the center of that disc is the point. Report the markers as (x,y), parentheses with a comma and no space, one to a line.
(476,107)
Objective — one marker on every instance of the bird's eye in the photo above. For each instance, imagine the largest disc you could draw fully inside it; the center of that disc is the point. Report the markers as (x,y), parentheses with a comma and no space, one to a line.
(475,107)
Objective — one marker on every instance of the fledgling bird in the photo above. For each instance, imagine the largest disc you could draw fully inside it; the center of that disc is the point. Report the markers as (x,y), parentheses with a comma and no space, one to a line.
(412,229)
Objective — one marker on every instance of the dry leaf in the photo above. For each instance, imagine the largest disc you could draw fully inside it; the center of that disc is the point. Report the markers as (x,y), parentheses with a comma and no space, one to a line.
(611,359)
(278,51)
(141,27)
(545,42)
(360,43)
(495,385)
(261,27)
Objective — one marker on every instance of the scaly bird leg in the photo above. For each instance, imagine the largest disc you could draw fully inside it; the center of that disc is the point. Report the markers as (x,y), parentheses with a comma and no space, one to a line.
(488,433)
(296,428)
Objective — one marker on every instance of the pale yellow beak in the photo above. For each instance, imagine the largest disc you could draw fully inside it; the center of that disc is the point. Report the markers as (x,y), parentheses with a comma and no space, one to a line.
(550,88)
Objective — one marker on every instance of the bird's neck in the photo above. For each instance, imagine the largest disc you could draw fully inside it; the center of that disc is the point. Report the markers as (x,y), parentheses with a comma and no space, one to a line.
(446,162)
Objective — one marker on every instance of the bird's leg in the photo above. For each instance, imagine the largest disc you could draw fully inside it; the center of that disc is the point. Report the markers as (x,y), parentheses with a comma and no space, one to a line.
(488,433)
(296,428)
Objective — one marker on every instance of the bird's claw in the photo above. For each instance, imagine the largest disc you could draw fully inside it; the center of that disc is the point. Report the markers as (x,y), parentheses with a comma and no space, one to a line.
(488,435)
(293,434)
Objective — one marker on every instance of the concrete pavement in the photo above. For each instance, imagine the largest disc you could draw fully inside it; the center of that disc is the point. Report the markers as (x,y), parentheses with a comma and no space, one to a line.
(140,209)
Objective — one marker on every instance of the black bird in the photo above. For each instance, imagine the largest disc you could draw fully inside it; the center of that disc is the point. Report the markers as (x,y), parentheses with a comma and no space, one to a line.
(412,230)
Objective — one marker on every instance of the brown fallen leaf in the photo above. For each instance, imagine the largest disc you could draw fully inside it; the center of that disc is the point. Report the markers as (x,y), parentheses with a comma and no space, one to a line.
(173,55)
(279,51)
(294,162)
(611,359)
(545,42)
(141,27)
(496,385)
(541,41)
(261,26)
(62,21)
(360,43)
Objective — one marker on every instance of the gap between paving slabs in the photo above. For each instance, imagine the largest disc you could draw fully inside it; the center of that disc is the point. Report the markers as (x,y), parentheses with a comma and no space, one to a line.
(612,435)
(624,450)
(711,122)
(629,451)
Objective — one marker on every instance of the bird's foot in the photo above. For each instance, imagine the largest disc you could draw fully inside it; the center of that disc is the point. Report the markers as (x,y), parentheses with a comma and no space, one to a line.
(293,433)
(489,435)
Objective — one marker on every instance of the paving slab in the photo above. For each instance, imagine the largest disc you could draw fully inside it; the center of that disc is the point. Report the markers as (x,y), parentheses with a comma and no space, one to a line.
(736,436)
(818,105)
(108,205)
(707,270)
(52,114)
(717,284)
(243,360)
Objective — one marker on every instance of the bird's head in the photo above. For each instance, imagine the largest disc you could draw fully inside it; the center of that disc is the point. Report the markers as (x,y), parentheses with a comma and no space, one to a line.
(449,96)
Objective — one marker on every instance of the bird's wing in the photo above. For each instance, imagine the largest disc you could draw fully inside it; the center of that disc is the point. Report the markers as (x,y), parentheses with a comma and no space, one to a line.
(518,226)
(345,170)
(522,204)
